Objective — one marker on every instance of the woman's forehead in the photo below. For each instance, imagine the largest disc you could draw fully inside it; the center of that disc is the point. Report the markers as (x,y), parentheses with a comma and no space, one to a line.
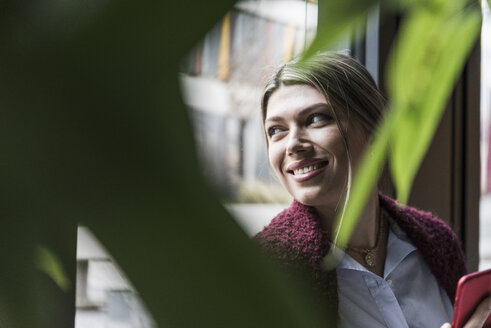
(293,98)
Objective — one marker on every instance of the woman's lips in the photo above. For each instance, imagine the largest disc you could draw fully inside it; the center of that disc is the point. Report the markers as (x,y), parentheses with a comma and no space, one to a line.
(307,169)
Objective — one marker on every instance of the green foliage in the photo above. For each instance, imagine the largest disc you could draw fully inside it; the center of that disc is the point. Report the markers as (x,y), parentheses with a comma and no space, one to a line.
(430,52)
(336,19)
(432,45)
(51,265)
(365,179)
(94,131)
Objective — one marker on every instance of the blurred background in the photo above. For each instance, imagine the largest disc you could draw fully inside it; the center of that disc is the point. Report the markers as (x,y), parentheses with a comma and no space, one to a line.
(221,82)
(485,204)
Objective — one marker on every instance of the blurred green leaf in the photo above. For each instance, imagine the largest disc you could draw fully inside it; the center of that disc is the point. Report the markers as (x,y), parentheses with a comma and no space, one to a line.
(337,18)
(429,55)
(430,52)
(52,266)
(94,131)
(364,181)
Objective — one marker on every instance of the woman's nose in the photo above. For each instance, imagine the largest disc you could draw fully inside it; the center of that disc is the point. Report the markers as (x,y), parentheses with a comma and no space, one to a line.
(297,142)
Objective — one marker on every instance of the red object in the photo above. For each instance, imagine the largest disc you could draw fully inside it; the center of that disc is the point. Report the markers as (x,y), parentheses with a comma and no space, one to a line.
(471,290)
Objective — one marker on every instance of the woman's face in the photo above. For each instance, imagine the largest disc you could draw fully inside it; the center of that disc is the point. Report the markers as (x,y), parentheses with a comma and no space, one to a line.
(305,146)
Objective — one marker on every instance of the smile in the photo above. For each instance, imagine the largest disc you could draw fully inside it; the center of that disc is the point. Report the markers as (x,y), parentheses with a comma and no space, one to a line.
(308,169)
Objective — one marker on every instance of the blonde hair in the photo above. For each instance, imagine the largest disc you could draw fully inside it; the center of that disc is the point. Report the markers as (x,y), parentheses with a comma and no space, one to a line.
(347,85)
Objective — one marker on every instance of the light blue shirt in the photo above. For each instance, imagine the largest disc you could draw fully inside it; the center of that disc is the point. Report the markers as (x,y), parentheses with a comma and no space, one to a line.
(407,296)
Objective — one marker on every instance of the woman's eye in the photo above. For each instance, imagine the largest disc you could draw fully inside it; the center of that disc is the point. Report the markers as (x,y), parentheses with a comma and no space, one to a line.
(274,130)
(318,118)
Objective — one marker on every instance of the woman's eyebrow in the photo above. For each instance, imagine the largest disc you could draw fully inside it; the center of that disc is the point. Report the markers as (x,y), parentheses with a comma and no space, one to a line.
(302,112)
(274,119)
(315,106)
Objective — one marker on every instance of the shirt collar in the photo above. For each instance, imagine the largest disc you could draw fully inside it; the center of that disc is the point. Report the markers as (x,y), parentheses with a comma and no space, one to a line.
(398,248)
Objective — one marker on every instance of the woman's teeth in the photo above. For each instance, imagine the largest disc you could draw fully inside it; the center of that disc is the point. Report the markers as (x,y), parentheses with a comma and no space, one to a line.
(306,169)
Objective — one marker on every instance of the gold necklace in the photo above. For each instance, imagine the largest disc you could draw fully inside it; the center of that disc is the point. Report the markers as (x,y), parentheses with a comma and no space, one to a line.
(370,254)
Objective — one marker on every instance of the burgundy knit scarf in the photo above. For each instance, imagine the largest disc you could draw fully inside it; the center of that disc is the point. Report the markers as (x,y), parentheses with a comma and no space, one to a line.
(296,240)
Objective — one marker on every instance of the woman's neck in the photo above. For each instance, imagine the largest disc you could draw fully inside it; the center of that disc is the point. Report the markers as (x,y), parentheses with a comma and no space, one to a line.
(368,243)
(365,233)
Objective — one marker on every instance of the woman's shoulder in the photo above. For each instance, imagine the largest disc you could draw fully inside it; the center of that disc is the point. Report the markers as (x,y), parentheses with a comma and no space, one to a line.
(435,240)
(294,219)
(296,241)
(296,234)
(418,224)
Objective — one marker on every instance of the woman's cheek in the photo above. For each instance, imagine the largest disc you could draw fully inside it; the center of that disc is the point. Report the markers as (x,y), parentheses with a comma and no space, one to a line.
(274,158)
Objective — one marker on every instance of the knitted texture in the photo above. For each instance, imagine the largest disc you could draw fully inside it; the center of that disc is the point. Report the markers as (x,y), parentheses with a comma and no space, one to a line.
(296,239)
(434,239)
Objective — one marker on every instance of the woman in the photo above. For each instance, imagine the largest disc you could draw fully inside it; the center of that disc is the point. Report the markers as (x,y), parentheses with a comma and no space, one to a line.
(401,266)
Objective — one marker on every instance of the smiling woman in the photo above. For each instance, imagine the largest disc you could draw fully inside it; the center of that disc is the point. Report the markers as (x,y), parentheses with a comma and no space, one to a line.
(324,110)
(304,141)
(402,265)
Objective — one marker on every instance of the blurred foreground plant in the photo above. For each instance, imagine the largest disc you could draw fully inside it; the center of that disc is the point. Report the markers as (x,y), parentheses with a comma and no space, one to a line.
(430,51)
(94,132)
